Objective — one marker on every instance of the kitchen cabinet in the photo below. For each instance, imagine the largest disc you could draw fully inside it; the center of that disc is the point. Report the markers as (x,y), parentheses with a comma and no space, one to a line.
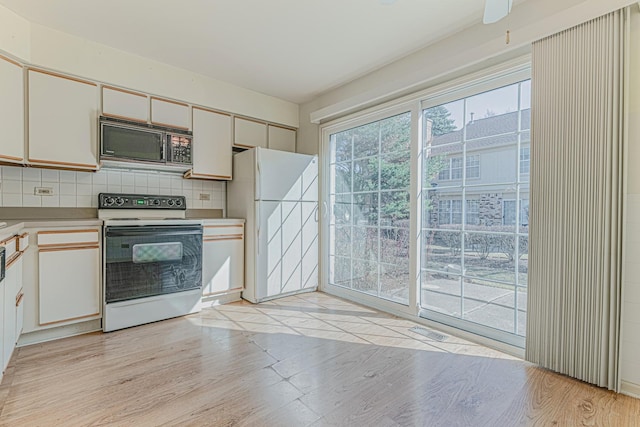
(212,145)
(283,139)
(63,116)
(11,287)
(249,133)
(68,275)
(11,111)
(125,104)
(170,113)
(223,258)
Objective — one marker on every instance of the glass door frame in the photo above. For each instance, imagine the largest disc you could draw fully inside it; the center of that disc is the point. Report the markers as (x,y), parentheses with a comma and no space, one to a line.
(413,107)
(510,72)
(466,91)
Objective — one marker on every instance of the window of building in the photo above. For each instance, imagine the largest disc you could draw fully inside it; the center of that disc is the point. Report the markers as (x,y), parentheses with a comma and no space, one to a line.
(509,212)
(473,167)
(473,212)
(524,160)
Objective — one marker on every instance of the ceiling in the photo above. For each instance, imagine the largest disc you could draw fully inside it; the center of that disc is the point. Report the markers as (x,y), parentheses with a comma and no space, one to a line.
(290,49)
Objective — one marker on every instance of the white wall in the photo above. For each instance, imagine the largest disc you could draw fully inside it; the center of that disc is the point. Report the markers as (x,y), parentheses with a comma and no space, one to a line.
(63,52)
(81,189)
(630,340)
(15,34)
(467,51)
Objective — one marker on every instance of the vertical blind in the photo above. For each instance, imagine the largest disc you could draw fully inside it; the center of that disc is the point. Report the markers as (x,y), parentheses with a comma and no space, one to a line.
(575,255)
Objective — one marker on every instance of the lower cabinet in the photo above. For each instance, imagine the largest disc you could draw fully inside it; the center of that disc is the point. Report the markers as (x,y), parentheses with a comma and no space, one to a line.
(68,275)
(223,258)
(12,285)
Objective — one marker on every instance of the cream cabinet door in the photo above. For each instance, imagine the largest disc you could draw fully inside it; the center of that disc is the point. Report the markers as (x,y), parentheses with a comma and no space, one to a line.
(124,104)
(63,121)
(13,275)
(11,111)
(170,113)
(69,283)
(212,145)
(282,139)
(249,133)
(222,259)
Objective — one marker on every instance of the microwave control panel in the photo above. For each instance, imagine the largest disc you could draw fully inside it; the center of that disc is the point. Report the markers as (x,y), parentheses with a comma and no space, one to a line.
(179,149)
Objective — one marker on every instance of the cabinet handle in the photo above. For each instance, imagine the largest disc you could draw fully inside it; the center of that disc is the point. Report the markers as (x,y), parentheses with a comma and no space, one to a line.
(19,299)
(68,248)
(15,257)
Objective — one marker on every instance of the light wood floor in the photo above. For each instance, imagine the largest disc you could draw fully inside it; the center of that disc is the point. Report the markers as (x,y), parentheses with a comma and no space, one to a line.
(304,360)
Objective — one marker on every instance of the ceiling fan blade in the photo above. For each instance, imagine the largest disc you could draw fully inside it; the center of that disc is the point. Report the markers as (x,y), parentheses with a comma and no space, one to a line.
(495,10)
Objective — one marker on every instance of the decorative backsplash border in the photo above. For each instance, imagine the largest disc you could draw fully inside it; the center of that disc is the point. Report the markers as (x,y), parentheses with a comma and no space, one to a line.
(80,189)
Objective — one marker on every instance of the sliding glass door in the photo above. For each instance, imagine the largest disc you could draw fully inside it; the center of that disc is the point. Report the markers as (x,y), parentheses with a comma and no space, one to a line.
(475,188)
(428,207)
(369,181)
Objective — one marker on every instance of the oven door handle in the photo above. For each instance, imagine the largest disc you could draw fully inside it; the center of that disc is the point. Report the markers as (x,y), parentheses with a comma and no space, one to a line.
(122,233)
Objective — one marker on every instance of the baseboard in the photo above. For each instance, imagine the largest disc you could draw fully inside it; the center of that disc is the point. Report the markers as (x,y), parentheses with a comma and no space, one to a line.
(65,331)
(214,300)
(630,389)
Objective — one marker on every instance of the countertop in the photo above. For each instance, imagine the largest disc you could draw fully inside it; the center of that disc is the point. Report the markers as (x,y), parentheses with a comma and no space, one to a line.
(15,225)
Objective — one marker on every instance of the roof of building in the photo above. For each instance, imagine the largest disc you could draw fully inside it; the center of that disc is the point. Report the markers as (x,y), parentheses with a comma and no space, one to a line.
(486,132)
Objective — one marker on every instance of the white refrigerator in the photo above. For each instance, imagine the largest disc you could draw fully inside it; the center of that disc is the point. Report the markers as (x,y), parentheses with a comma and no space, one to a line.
(277,193)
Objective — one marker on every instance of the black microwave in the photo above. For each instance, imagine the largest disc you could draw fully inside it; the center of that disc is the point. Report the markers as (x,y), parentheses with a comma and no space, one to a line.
(146,145)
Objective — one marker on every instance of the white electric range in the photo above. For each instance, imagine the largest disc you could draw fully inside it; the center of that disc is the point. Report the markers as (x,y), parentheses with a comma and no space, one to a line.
(152,259)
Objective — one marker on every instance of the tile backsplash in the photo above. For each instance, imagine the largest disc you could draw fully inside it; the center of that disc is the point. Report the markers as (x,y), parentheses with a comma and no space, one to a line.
(80,189)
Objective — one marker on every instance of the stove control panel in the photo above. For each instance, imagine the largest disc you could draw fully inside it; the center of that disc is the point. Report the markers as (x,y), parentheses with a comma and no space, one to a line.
(140,201)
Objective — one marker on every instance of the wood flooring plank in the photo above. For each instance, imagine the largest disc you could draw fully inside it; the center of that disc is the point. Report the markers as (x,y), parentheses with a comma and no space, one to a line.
(306,360)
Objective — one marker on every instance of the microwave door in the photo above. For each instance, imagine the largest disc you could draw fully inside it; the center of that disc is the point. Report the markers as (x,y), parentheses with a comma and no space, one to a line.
(128,143)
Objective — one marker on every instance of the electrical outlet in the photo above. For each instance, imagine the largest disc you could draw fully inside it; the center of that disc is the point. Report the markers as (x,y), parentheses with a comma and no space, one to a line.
(43,191)
(205,196)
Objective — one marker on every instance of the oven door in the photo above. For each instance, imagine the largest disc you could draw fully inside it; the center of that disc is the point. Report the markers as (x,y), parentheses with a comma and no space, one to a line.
(145,261)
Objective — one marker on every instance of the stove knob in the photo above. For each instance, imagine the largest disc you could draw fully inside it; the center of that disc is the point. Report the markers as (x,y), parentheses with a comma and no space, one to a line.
(170,202)
(108,201)
(119,201)
(179,202)
(156,202)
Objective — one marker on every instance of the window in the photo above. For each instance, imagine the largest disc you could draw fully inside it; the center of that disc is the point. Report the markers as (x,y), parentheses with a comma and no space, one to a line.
(369,198)
(509,212)
(473,273)
(456,168)
(449,212)
(524,160)
(452,168)
(473,167)
(470,225)
(473,212)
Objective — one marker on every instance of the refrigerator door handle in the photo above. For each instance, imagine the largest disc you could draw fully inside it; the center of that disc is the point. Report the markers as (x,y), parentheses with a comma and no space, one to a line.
(258,179)
(258,231)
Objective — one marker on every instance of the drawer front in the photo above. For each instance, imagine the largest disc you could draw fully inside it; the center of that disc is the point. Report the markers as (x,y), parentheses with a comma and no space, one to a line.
(67,238)
(216,232)
(23,242)
(10,246)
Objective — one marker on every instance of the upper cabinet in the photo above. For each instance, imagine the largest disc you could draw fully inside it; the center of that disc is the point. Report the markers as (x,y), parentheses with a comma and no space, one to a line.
(249,133)
(170,113)
(11,111)
(125,104)
(283,139)
(212,151)
(63,117)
